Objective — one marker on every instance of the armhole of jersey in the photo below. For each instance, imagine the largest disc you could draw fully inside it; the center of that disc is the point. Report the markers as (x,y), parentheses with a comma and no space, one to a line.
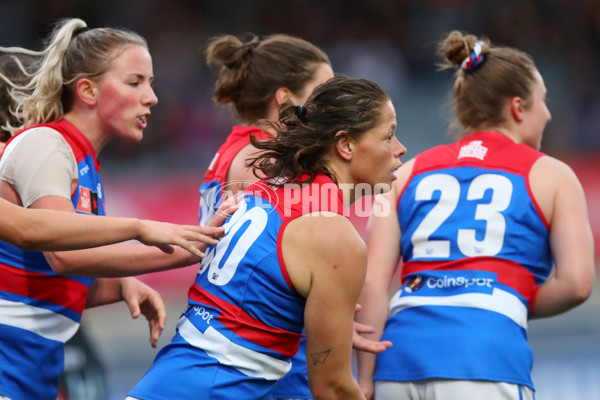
(282,265)
(532,197)
(408,181)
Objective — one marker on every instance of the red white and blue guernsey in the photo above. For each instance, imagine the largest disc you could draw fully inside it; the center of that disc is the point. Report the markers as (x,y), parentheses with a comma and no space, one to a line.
(475,249)
(211,191)
(40,310)
(244,320)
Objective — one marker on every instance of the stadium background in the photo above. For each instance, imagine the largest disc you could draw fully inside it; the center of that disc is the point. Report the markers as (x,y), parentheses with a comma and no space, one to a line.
(390,42)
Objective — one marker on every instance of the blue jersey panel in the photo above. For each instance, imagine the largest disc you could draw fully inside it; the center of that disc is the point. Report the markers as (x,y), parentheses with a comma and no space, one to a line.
(294,385)
(471,346)
(190,374)
(210,200)
(32,365)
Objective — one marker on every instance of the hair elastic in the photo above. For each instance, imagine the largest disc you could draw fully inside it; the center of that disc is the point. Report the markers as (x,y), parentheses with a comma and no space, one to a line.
(474,59)
(249,48)
(80,30)
(301,112)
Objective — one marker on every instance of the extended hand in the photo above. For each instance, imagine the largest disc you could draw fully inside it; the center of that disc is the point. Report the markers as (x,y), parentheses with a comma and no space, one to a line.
(165,235)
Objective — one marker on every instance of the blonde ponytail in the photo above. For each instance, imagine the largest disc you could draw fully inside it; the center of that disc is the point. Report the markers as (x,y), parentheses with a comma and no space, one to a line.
(71,53)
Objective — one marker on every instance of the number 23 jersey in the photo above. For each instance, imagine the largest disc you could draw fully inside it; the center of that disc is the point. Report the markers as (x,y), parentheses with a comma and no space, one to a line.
(475,247)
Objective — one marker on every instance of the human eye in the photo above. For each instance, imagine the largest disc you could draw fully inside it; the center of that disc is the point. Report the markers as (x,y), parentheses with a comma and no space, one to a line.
(390,136)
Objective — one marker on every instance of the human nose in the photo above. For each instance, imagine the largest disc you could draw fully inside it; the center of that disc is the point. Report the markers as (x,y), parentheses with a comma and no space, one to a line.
(398,148)
(149,97)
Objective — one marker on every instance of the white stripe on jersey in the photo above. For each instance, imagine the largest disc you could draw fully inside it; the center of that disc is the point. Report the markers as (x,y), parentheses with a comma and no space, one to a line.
(247,361)
(40,321)
(499,301)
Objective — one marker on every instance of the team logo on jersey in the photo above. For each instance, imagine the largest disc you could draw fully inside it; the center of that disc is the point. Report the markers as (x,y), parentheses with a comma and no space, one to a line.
(88,201)
(414,283)
(473,150)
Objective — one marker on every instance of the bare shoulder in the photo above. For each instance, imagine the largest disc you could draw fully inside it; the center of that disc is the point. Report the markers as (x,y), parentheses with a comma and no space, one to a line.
(325,232)
(239,169)
(553,181)
(549,173)
(322,243)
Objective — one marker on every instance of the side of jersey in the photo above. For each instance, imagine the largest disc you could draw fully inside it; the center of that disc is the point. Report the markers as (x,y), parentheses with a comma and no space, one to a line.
(476,249)
(39,310)
(294,385)
(244,320)
(211,190)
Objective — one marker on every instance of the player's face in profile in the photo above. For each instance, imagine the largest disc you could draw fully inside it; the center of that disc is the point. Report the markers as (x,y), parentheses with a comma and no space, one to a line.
(537,115)
(377,151)
(126,95)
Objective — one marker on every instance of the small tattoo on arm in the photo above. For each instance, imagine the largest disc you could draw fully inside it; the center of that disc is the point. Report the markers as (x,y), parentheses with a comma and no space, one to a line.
(319,358)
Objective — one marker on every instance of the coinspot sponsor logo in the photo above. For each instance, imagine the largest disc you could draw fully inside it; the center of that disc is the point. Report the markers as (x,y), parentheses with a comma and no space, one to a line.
(437,282)
(454,282)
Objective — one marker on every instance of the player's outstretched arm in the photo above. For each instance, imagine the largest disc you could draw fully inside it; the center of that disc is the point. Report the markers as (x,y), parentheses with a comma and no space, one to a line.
(49,230)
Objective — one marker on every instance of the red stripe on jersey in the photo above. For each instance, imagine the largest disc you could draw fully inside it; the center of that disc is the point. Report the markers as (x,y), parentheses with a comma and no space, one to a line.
(50,288)
(242,324)
(509,272)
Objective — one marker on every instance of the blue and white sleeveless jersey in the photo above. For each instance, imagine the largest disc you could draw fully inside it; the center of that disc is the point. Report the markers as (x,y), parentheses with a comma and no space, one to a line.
(476,249)
(244,320)
(40,310)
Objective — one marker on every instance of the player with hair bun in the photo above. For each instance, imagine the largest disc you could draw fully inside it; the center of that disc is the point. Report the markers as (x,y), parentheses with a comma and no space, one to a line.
(491,231)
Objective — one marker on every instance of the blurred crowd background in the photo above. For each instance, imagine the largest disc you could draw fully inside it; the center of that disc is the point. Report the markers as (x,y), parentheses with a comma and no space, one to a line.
(392,42)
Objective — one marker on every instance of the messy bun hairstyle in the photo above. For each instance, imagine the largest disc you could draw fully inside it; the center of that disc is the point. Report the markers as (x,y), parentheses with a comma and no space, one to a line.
(482,88)
(251,70)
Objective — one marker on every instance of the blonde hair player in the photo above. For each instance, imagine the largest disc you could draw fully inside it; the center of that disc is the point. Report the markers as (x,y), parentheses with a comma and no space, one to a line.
(89,87)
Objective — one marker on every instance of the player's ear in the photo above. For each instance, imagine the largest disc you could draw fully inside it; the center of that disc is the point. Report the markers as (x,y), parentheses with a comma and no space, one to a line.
(86,90)
(344,145)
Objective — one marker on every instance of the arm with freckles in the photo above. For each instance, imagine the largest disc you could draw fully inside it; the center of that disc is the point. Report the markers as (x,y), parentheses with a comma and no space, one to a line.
(383,244)
(562,200)
(328,269)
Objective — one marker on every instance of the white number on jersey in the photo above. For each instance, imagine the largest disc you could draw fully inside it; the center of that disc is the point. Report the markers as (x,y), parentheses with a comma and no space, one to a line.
(491,213)
(257,220)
